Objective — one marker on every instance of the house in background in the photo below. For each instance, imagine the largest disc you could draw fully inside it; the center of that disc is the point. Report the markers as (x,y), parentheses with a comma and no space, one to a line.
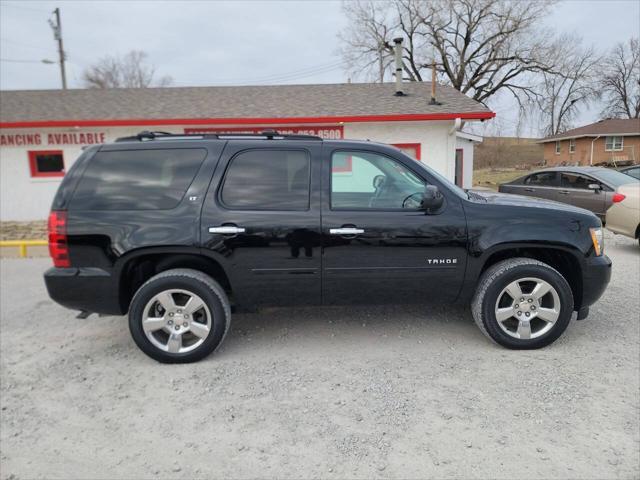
(611,141)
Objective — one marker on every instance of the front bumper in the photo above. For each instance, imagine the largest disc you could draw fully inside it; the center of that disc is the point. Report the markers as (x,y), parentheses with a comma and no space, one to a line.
(596,277)
(88,289)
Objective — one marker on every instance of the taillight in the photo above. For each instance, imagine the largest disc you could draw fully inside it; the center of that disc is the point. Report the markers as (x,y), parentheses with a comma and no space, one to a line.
(58,246)
(618,197)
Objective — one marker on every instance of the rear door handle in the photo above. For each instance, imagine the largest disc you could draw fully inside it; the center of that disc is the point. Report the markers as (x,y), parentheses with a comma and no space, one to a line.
(564,192)
(346,231)
(226,230)
(529,189)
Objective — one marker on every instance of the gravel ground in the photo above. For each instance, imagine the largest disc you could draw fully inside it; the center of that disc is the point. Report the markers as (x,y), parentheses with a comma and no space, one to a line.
(397,392)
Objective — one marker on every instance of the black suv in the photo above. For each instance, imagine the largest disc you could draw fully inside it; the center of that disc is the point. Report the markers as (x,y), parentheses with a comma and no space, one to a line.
(177,229)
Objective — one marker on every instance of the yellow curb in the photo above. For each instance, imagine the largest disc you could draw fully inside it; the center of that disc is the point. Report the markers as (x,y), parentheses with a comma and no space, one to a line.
(23,244)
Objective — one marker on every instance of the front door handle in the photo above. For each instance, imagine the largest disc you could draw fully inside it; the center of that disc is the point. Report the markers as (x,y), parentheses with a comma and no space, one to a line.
(564,192)
(226,230)
(346,231)
(529,190)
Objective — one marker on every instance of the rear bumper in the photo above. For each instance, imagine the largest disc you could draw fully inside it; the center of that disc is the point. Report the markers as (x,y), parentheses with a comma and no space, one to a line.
(89,289)
(597,273)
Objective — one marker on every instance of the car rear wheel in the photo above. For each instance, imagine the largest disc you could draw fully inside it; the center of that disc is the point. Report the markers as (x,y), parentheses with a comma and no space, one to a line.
(179,316)
(522,303)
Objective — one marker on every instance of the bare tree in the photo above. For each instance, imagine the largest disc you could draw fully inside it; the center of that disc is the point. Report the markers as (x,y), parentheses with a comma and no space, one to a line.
(573,85)
(127,71)
(480,47)
(621,82)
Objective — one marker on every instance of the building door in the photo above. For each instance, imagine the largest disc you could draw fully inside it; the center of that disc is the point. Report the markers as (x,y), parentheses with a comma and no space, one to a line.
(378,246)
(459,179)
(261,219)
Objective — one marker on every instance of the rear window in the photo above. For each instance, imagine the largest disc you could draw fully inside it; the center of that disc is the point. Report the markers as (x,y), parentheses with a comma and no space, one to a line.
(267,180)
(137,179)
(615,178)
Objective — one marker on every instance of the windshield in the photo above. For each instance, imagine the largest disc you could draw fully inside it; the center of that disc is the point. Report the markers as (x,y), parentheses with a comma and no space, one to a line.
(615,178)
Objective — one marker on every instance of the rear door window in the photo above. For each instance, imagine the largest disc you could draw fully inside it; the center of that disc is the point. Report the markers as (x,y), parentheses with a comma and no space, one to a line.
(154,179)
(267,180)
(542,179)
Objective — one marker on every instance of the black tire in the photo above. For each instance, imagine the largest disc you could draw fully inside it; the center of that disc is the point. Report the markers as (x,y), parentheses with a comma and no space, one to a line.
(193,281)
(496,278)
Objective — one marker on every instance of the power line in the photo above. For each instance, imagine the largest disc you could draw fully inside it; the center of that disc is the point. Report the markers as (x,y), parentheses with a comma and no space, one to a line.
(281,77)
(20,7)
(20,44)
(11,60)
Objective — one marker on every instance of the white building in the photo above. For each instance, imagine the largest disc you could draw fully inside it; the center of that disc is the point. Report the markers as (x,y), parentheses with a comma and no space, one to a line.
(43,132)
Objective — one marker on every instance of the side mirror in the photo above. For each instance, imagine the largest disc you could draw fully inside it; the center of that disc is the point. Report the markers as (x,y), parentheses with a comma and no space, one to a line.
(432,199)
(595,187)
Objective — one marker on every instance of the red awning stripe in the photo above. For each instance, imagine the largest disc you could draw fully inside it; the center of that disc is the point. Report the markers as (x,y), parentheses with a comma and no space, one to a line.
(411,117)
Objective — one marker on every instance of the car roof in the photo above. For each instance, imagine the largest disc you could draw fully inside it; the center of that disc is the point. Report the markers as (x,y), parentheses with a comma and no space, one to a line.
(270,138)
(592,170)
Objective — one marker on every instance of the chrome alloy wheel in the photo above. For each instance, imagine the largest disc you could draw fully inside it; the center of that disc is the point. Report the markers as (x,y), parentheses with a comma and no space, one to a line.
(176,321)
(527,308)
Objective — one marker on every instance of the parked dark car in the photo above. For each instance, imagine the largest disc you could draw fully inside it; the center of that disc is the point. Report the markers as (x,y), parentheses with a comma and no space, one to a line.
(592,188)
(633,170)
(176,230)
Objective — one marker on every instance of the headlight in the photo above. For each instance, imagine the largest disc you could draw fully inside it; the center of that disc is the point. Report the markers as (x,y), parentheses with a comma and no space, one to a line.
(597,237)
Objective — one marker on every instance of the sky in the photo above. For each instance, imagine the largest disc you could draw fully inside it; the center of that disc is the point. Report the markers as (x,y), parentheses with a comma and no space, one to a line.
(200,42)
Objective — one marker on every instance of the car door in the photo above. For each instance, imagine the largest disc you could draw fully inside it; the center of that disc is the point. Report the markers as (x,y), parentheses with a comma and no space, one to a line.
(374,250)
(574,190)
(261,218)
(539,185)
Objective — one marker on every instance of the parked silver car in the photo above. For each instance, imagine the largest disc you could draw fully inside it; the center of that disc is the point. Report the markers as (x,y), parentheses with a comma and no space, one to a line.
(591,188)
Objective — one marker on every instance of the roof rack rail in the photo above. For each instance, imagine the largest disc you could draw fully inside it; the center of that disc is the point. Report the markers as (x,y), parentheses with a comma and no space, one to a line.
(266,134)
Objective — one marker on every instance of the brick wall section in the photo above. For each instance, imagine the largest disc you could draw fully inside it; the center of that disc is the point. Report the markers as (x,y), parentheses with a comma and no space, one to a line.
(582,154)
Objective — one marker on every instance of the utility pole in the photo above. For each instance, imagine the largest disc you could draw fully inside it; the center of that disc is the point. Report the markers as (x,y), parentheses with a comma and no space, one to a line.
(57,34)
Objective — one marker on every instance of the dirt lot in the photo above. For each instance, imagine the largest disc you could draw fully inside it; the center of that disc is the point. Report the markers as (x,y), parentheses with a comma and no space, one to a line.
(23,230)
(320,393)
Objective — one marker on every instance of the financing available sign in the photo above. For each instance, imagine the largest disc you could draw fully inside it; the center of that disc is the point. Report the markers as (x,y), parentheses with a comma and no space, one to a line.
(330,132)
(66,138)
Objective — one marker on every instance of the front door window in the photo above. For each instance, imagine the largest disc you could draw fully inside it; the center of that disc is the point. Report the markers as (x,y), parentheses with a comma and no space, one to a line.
(375,182)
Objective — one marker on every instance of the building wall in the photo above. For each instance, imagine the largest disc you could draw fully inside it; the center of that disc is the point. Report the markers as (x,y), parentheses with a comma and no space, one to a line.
(582,154)
(23,198)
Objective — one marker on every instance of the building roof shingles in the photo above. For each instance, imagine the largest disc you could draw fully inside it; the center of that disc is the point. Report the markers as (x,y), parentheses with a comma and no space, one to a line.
(610,126)
(278,101)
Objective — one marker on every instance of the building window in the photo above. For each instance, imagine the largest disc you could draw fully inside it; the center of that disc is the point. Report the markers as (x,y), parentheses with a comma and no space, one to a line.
(411,149)
(343,165)
(46,163)
(557,148)
(572,145)
(613,144)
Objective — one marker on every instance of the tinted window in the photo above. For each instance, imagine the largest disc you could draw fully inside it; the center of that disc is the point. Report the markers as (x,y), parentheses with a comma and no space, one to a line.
(372,181)
(542,179)
(268,180)
(572,180)
(137,179)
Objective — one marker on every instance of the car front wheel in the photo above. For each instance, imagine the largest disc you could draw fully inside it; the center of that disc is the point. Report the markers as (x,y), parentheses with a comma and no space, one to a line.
(522,303)
(179,316)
